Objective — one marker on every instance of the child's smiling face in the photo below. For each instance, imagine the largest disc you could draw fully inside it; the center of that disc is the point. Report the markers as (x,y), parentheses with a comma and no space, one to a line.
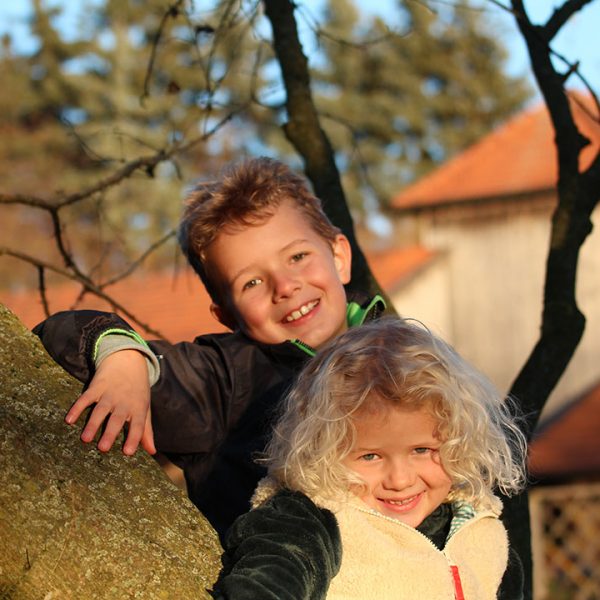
(397,455)
(282,280)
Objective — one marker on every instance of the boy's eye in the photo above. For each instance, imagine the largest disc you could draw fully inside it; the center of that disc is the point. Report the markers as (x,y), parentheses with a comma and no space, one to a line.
(298,256)
(252,283)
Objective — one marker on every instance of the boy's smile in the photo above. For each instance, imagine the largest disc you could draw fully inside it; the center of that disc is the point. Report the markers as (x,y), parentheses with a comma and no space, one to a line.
(396,453)
(281,279)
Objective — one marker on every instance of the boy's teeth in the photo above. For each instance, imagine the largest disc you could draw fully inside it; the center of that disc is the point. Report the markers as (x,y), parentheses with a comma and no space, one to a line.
(303,310)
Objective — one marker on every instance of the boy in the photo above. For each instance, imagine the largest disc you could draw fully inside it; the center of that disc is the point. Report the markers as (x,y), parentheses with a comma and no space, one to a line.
(275,268)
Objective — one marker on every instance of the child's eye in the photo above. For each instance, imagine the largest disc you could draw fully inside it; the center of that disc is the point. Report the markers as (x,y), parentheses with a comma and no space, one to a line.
(298,256)
(252,283)
(369,457)
(424,450)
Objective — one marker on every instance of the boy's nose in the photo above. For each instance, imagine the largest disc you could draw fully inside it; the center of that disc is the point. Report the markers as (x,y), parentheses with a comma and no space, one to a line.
(284,286)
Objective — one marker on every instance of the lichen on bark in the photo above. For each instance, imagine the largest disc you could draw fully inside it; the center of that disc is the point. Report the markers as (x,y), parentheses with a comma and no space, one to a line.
(75,523)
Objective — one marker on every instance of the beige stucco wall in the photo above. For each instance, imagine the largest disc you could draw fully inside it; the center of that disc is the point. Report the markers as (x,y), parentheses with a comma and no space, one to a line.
(486,293)
(424,297)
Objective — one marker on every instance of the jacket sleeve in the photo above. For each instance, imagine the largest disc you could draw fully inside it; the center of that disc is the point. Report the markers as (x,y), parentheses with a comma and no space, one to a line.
(287,549)
(70,338)
(192,400)
(512,584)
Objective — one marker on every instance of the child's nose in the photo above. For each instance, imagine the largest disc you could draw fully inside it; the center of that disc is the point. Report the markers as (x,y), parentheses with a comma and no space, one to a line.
(284,286)
(400,476)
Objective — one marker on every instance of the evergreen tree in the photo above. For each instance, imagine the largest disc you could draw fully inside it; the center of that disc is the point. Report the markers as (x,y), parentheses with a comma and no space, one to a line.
(398,102)
(144,75)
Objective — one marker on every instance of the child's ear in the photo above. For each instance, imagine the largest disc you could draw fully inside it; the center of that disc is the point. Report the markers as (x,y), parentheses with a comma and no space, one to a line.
(342,255)
(223,316)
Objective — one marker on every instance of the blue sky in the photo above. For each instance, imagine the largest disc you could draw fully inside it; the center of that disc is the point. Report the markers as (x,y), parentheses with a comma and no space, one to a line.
(577,41)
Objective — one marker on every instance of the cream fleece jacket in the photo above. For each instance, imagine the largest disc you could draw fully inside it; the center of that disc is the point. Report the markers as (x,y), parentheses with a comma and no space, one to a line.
(383,558)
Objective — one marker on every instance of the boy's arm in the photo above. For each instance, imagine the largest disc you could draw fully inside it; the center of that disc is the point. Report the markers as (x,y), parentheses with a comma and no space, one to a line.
(120,391)
(119,385)
(191,401)
(287,549)
(72,337)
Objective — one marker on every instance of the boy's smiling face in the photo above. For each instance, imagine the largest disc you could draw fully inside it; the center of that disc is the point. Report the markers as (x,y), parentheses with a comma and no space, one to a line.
(281,279)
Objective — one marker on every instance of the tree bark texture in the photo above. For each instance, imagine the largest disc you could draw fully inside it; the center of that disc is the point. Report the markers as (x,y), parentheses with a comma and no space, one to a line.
(75,523)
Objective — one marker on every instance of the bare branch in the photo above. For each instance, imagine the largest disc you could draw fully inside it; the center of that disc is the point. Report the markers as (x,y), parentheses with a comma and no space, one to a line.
(320,32)
(139,164)
(171,12)
(136,263)
(42,289)
(546,33)
(61,245)
(25,200)
(86,284)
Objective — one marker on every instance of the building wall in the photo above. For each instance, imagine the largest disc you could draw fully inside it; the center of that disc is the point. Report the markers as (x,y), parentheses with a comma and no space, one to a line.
(424,297)
(489,297)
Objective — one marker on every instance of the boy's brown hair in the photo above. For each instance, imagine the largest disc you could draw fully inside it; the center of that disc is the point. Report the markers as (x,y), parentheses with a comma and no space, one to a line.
(246,194)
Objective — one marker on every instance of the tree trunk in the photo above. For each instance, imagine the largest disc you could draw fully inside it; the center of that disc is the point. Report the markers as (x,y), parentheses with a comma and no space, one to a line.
(75,523)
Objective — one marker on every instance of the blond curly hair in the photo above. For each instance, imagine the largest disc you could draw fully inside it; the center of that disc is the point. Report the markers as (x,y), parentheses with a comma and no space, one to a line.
(396,362)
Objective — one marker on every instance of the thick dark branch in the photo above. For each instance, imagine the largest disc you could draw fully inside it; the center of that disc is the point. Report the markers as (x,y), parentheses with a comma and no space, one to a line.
(561,15)
(304,131)
(546,33)
(569,141)
(591,182)
(562,321)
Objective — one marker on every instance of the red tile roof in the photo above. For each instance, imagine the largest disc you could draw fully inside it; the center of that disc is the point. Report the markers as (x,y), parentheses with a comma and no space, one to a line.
(569,445)
(175,304)
(395,266)
(518,157)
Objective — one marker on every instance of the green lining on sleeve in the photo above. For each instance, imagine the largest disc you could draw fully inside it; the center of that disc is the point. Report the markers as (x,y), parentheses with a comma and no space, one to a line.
(131,334)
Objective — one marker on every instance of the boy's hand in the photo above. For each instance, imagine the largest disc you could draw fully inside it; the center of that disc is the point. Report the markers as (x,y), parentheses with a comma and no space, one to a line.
(121,392)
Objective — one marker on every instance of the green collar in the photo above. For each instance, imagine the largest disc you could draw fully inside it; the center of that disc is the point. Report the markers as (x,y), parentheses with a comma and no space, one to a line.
(355,315)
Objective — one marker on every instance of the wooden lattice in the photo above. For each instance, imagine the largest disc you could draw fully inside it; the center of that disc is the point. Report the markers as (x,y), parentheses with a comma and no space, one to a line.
(565,524)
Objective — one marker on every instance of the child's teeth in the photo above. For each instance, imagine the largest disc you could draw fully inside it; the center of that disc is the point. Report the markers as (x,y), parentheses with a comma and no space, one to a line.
(303,310)
(401,502)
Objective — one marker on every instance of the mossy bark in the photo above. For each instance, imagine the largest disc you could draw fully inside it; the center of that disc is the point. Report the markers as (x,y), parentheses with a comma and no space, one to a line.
(75,523)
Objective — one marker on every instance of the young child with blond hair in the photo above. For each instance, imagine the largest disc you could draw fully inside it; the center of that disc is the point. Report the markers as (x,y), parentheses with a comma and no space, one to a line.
(382,472)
